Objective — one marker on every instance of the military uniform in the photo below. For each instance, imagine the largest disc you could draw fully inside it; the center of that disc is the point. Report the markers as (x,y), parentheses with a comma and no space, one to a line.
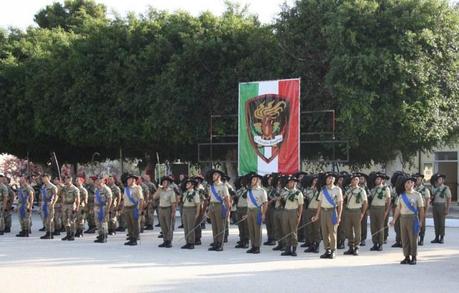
(355,200)
(146,195)
(279,213)
(256,198)
(425,194)
(440,196)
(328,227)
(313,228)
(113,215)
(81,213)
(407,219)
(102,202)
(70,198)
(293,200)
(25,205)
(243,226)
(9,209)
(378,211)
(90,217)
(167,199)
(364,221)
(48,199)
(198,230)
(271,192)
(132,198)
(150,206)
(217,213)
(191,209)
(394,201)
(3,204)
(58,213)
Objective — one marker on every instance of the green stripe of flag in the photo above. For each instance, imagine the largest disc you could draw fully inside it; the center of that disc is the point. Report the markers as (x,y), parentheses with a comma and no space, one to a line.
(247,156)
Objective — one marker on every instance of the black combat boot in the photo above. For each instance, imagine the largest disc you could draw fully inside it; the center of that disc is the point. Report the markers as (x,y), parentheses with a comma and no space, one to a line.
(294,251)
(421,241)
(397,244)
(66,236)
(375,247)
(288,251)
(256,250)
(356,251)
(441,240)
(341,244)
(47,234)
(250,250)
(436,240)
(413,260)
(21,234)
(379,248)
(326,254)
(71,236)
(349,251)
(278,247)
(162,244)
(332,254)
(405,261)
(42,229)
(240,244)
(168,244)
(219,247)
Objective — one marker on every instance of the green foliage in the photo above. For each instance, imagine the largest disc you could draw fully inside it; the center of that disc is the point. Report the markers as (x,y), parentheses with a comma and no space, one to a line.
(81,82)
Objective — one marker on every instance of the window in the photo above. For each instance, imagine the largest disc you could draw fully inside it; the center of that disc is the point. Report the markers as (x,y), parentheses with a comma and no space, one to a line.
(446,156)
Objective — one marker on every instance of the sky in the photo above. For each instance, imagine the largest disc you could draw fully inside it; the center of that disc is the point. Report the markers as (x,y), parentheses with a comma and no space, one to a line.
(20,13)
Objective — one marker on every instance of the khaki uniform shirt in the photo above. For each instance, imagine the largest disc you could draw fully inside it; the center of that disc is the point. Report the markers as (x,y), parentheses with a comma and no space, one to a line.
(69,194)
(260,195)
(191,198)
(293,198)
(425,193)
(313,197)
(116,192)
(105,194)
(415,199)
(441,193)
(221,189)
(136,194)
(242,198)
(355,197)
(167,197)
(3,192)
(379,196)
(335,193)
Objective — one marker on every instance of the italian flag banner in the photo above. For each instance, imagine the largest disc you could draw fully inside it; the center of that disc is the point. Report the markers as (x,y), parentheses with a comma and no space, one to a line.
(269,127)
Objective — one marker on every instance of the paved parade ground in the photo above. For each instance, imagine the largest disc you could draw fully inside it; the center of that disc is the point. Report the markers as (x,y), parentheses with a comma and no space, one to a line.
(34,265)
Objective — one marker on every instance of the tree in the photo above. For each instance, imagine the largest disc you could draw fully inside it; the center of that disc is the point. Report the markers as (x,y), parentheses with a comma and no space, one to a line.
(394,72)
(71,15)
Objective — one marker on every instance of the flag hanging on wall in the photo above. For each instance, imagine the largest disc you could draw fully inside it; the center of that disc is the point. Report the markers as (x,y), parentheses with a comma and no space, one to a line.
(269,126)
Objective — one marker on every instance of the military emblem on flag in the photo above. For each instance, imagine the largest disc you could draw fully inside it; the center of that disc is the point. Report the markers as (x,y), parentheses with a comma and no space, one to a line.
(269,126)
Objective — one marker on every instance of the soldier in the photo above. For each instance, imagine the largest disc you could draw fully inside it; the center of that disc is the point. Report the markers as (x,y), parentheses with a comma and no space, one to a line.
(301,229)
(191,210)
(9,205)
(80,216)
(313,228)
(241,204)
(293,206)
(256,208)
(3,203)
(102,204)
(58,214)
(279,214)
(132,203)
(219,204)
(397,176)
(364,223)
(425,194)
(48,200)
(226,179)
(342,182)
(410,203)
(380,207)
(355,206)
(90,217)
(70,195)
(25,205)
(441,201)
(167,205)
(114,208)
(149,203)
(271,192)
(146,195)
(202,191)
(331,206)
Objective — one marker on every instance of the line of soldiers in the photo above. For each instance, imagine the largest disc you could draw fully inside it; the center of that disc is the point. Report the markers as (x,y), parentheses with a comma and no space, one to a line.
(296,208)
